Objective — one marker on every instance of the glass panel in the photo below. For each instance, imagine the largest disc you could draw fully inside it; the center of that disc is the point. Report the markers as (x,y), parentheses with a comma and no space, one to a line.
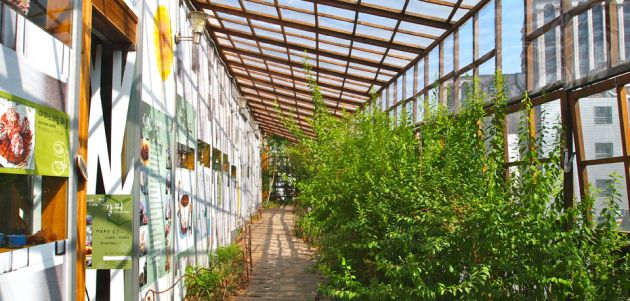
(399,89)
(409,83)
(55,17)
(433,96)
(420,108)
(599,178)
(409,110)
(486,76)
(548,124)
(624,30)
(465,82)
(420,74)
(512,46)
(589,41)
(466,44)
(434,64)
(383,97)
(486,29)
(576,178)
(600,125)
(448,54)
(391,99)
(8,20)
(447,95)
(546,60)
(544,11)
(513,144)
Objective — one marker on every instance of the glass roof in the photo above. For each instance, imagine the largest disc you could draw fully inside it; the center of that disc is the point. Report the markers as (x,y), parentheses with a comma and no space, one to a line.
(351,47)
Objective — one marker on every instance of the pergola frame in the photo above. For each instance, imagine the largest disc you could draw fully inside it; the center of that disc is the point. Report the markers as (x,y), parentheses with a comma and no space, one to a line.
(353,48)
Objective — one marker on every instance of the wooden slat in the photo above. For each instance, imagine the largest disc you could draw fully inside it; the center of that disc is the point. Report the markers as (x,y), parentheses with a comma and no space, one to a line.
(304,91)
(116,19)
(299,65)
(302,48)
(304,26)
(382,12)
(272,101)
(289,77)
(450,16)
(269,121)
(449,30)
(54,206)
(449,4)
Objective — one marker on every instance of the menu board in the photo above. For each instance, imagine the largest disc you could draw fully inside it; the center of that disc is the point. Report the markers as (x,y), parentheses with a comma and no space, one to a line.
(109,236)
(156,218)
(34,139)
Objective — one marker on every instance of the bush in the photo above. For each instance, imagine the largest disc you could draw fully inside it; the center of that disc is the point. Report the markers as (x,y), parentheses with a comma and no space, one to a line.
(221,279)
(437,216)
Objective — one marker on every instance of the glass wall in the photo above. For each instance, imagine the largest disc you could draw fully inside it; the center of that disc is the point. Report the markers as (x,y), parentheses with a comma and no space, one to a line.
(544,47)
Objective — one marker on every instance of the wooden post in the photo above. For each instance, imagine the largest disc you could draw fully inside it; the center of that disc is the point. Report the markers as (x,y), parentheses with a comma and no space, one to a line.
(625,131)
(84,102)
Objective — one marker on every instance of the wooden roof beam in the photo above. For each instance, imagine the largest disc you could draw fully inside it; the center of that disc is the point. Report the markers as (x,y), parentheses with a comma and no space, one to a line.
(307,27)
(289,77)
(384,13)
(266,100)
(311,50)
(289,88)
(267,120)
(289,63)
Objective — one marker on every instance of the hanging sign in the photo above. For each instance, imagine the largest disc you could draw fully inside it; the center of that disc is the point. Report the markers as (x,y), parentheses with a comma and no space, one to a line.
(109,235)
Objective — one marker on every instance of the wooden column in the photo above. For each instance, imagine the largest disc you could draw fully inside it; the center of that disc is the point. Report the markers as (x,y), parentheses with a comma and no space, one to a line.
(622,102)
(84,103)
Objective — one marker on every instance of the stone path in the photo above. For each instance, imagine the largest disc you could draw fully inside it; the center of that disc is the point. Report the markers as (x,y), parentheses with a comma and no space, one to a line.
(282,264)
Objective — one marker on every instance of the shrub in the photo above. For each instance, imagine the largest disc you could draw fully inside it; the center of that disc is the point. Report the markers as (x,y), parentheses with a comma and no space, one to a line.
(438,216)
(221,279)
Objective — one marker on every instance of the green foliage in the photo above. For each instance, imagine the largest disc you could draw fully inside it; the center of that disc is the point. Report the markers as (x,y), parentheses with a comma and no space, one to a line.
(279,173)
(436,215)
(221,279)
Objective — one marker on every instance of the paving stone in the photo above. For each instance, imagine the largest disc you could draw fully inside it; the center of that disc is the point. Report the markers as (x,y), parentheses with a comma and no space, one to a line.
(282,264)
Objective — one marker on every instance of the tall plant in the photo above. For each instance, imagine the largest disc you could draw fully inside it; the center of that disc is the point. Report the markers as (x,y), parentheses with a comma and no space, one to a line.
(433,213)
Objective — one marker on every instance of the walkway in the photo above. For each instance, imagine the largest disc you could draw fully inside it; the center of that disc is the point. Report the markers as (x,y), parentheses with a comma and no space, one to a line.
(283,265)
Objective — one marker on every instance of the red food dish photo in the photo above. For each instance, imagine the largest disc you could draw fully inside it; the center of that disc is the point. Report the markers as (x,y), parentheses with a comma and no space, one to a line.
(16,137)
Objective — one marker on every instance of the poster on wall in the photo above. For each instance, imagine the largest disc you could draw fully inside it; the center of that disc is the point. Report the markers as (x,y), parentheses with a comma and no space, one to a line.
(156,218)
(203,192)
(109,236)
(34,139)
(185,175)
(22,6)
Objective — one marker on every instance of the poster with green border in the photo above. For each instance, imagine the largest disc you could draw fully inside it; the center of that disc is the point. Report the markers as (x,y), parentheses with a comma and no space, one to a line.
(156,194)
(109,235)
(34,139)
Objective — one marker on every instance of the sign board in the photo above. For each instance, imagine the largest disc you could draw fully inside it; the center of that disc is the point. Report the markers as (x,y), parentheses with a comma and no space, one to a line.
(34,139)
(109,237)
